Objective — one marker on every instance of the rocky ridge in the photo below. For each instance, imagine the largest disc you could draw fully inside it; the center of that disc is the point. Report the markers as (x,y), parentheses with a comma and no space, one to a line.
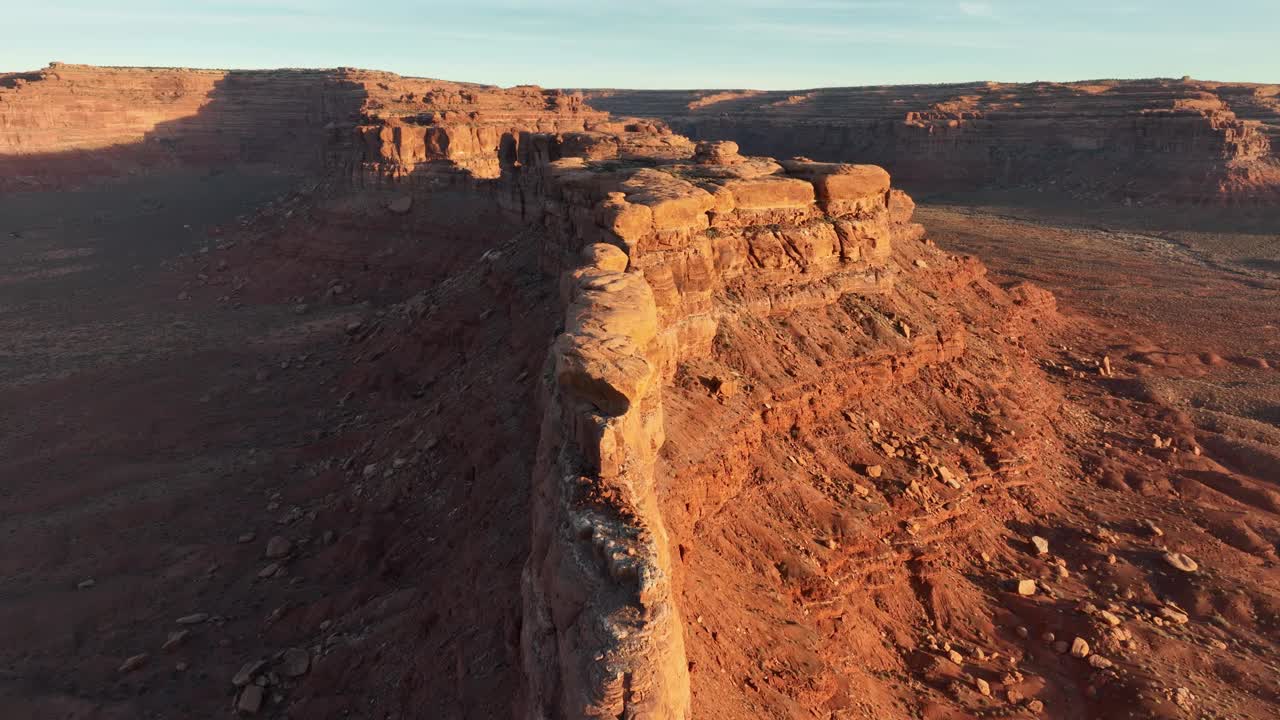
(725,317)
(785,449)
(658,241)
(664,258)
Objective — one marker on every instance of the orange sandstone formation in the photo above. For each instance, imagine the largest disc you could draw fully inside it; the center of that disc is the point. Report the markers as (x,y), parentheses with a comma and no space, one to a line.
(658,241)
(716,305)
(663,257)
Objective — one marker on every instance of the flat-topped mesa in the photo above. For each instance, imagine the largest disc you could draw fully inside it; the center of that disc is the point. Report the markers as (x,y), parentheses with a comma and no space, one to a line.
(1151,139)
(657,240)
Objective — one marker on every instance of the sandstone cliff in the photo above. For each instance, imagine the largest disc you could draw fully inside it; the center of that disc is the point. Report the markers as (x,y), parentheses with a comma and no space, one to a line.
(603,635)
(721,309)
(70,124)
(1151,139)
(678,519)
(67,125)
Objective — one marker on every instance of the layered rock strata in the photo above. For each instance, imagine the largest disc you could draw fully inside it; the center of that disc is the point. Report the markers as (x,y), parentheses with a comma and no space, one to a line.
(740,339)
(1185,140)
(663,249)
(68,125)
(645,245)
(1164,139)
(416,129)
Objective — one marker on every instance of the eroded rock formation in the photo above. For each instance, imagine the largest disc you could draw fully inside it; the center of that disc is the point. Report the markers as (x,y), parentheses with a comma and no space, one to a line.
(666,252)
(667,260)
(1156,139)
(658,240)
(740,338)
(434,129)
(1153,139)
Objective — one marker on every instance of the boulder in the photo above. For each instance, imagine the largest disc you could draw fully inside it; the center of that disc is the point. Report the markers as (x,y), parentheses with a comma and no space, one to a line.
(401,205)
(717,152)
(674,203)
(250,700)
(1079,648)
(605,257)
(295,662)
(1041,545)
(841,187)
(1179,561)
(629,221)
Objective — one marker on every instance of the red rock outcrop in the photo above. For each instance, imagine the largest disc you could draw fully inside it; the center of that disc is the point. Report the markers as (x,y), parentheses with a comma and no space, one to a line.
(1147,140)
(603,636)
(666,261)
(434,129)
(1154,139)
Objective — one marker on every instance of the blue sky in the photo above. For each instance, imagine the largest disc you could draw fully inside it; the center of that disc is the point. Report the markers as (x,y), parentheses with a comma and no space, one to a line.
(764,44)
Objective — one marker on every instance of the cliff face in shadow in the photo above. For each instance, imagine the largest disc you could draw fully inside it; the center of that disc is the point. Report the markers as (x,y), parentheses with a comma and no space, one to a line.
(68,125)
(1182,141)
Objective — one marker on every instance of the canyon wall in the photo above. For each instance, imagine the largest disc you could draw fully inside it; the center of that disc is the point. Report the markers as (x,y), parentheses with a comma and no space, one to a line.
(1152,139)
(430,131)
(1194,141)
(659,246)
(716,305)
(68,125)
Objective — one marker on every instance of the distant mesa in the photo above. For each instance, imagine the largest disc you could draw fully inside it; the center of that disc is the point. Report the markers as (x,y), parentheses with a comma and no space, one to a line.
(1147,140)
(67,125)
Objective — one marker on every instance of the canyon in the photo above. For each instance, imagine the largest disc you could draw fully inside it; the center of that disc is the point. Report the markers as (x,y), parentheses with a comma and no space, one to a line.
(345,393)
(1179,141)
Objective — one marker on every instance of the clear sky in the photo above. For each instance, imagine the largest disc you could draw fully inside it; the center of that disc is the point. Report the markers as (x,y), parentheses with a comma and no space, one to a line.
(764,44)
